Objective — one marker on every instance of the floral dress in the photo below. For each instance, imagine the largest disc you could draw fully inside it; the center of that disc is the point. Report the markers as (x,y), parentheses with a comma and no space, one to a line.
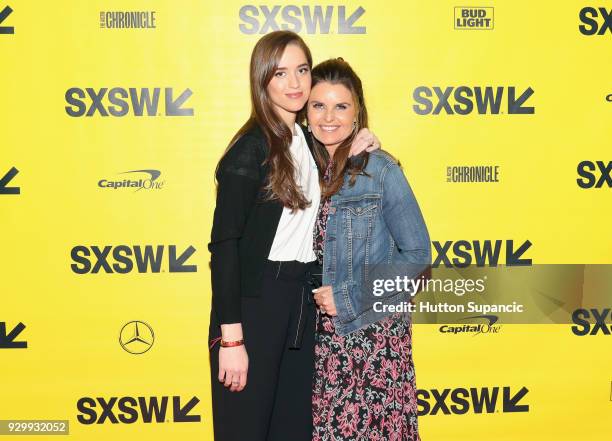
(364,386)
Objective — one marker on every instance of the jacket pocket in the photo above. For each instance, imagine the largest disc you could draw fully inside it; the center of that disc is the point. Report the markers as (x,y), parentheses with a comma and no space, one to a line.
(358,218)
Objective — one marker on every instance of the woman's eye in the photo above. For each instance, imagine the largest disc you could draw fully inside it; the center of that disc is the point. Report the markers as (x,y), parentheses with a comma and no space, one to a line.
(317,105)
(341,106)
(279,74)
(304,70)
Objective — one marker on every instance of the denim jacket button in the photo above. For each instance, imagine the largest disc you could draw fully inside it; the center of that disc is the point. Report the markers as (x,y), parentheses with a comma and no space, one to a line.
(358,209)
(332,210)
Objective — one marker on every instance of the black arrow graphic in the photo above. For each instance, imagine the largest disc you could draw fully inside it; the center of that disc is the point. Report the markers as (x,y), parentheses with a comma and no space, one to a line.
(513,258)
(7,340)
(515,106)
(181,414)
(173,107)
(6,179)
(176,263)
(345,25)
(510,403)
(5,13)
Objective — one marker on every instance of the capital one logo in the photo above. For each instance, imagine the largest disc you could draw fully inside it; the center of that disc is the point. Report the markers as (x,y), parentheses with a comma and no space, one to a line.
(482,100)
(460,401)
(595,21)
(310,19)
(128,258)
(463,253)
(128,410)
(594,174)
(121,102)
(4,13)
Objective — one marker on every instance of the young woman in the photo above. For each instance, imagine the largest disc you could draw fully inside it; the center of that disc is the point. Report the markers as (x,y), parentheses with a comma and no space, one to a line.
(364,386)
(262,321)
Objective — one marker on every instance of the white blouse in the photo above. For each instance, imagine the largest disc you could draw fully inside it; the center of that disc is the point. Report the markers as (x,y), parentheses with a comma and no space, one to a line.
(293,239)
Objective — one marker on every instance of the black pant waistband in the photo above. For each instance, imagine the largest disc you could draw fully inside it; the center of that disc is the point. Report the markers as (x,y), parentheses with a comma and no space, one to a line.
(291,270)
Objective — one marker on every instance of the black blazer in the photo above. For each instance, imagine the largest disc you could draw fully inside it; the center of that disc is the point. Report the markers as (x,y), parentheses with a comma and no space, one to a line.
(244,226)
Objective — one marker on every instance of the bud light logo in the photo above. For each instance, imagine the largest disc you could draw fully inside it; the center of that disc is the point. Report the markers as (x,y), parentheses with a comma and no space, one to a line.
(473,18)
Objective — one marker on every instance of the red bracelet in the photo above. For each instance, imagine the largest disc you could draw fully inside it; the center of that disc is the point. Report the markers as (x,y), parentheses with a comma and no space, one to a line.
(231,344)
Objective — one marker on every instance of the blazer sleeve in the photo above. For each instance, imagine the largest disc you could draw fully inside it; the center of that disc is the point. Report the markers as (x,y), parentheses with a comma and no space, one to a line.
(239,181)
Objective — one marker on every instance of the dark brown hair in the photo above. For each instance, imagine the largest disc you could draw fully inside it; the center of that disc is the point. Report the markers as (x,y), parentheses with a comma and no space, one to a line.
(265,58)
(338,71)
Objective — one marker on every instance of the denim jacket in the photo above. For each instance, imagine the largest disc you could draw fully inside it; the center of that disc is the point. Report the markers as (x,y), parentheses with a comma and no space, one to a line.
(376,221)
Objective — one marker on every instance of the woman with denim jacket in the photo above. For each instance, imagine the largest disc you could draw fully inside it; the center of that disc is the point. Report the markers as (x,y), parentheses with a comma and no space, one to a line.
(364,385)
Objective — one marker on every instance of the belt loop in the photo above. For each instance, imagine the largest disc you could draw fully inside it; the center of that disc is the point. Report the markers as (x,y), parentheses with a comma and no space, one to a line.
(279,267)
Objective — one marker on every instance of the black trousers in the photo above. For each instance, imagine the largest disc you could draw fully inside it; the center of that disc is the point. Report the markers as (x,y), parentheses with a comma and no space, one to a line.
(278,328)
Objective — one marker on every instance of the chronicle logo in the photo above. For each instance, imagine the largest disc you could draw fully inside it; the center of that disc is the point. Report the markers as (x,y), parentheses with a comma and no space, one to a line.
(142,102)
(127,19)
(485,253)
(131,409)
(591,178)
(484,100)
(480,400)
(8,177)
(128,258)
(583,326)
(473,18)
(150,183)
(311,19)
(487,328)
(7,341)
(472,173)
(3,14)
(591,26)
(136,337)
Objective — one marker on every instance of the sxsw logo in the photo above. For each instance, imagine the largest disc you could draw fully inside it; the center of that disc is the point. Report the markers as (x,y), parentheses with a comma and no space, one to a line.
(8,340)
(482,100)
(473,18)
(463,253)
(8,177)
(581,318)
(128,258)
(119,102)
(460,400)
(128,410)
(609,98)
(3,15)
(310,19)
(592,24)
(594,174)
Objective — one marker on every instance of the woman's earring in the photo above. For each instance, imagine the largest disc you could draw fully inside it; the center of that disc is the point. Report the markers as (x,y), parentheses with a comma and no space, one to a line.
(308,127)
(354,125)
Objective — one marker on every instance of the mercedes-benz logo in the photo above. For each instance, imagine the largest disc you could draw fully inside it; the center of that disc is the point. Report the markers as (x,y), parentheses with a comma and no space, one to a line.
(136,337)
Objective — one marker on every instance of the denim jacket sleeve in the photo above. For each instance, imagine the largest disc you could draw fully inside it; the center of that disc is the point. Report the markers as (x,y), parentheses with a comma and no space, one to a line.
(238,178)
(403,217)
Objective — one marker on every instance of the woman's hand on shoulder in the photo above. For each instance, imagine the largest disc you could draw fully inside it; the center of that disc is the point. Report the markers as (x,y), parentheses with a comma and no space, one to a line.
(364,141)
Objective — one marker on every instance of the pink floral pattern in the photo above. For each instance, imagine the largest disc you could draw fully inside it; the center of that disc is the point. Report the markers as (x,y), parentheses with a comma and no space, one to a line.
(364,385)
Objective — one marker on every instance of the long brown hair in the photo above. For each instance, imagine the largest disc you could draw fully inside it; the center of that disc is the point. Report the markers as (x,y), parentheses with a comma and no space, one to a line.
(265,58)
(338,71)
